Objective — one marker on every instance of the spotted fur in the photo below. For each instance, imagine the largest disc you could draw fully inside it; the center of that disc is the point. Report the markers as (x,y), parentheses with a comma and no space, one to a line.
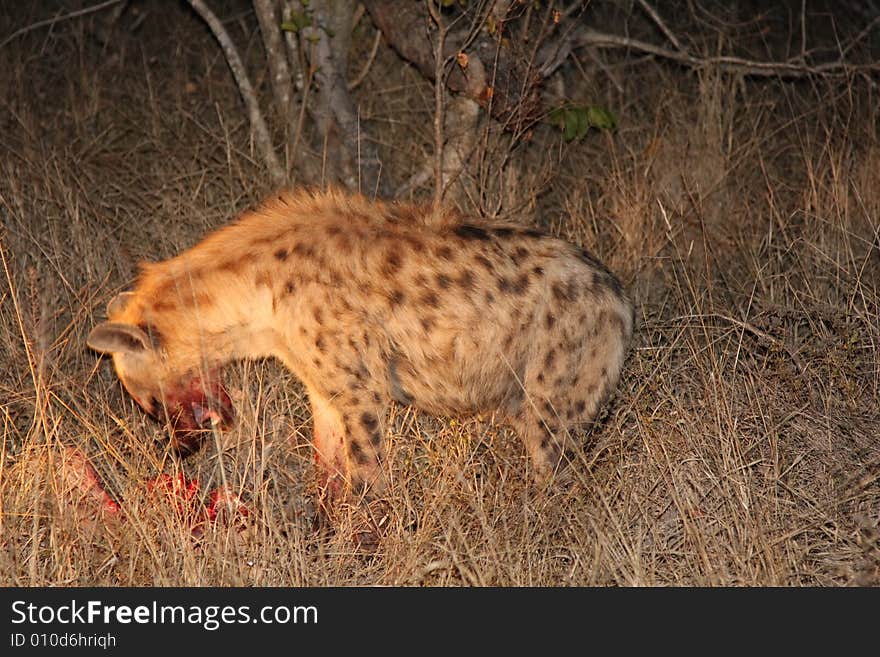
(368,302)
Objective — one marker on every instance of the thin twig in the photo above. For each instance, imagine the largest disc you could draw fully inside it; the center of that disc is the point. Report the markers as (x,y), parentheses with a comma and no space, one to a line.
(648,9)
(354,84)
(258,123)
(58,19)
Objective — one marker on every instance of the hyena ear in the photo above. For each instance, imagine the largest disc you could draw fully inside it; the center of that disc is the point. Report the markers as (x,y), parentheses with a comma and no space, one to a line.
(118,303)
(113,337)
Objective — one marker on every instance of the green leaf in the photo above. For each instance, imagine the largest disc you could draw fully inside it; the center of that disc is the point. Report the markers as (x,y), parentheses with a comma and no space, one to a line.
(298,20)
(569,124)
(601,118)
(575,121)
(557,117)
(582,123)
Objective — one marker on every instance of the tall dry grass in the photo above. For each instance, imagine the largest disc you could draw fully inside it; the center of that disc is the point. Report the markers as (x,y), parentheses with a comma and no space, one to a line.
(741,449)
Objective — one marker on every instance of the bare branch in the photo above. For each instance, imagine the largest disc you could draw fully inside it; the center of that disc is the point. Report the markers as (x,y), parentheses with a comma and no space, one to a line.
(789,69)
(276,57)
(258,124)
(58,19)
(439,87)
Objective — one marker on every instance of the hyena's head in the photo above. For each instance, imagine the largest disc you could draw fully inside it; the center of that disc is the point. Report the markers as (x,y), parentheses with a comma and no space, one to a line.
(191,399)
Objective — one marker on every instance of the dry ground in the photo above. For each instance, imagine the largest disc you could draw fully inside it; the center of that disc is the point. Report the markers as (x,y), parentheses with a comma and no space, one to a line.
(742,448)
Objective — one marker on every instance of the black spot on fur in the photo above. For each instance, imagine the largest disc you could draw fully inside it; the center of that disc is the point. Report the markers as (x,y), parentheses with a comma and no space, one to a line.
(430,299)
(289,287)
(564,293)
(533,232)
(414,242)
(591,260)
(369,421)
(393,262)
(304,250)
(469,232)
(604,277)
(443,281)
(550,358)
(445,253)
(550,320)
(580,406)
(281,254)
(502,232)
(397,297)
(465,279)
(521,284)
(485,263)
(358,453)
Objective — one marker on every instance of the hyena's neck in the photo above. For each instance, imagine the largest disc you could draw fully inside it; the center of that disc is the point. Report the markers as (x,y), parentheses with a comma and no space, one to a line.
(209,316)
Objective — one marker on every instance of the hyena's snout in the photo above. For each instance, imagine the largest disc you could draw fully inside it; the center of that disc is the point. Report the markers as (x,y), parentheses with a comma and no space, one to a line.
(193,411)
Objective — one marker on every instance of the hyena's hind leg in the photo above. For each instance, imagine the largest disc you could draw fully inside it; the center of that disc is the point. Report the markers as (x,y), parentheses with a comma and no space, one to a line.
(564,389)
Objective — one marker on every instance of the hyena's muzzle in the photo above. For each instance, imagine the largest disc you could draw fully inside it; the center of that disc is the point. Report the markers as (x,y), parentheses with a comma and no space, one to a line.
(192,409)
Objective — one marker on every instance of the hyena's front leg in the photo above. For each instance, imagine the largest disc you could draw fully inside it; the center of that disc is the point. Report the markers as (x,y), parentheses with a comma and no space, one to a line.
(329,444)
(349,430)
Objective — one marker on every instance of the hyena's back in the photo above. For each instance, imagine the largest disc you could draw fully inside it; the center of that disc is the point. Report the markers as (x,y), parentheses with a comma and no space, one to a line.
(367,302)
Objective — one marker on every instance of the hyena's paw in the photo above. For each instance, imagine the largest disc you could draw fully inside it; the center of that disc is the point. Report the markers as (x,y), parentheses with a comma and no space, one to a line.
(361,524)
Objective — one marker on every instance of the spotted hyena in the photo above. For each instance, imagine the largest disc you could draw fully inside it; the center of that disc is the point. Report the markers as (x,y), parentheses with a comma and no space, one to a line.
(368,302)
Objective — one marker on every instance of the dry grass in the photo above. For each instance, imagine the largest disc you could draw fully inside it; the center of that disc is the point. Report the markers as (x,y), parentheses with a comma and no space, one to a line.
(742,448)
